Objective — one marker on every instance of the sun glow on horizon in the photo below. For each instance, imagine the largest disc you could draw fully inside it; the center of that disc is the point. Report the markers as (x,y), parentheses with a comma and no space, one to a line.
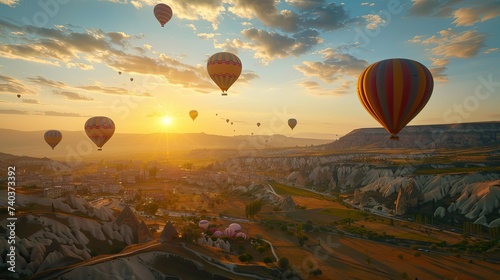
(167,120)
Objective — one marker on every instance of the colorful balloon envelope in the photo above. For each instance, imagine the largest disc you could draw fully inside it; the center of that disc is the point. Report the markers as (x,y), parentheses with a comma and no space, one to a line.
(224,68)
(292,123)
(163,13)
(394,91)
(52,137)
(193,114)
(99,129)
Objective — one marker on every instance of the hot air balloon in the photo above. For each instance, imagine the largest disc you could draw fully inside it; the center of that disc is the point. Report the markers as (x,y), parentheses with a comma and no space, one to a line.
(258,124)
(119,72)
(163,13)
(227,120)
(131,79)
(231,123)
(18,96)
(216,115)
(224,68)
(292,123)
(99,129)
(203,224)
(394,91)
(236,227)
(52,137)
(193,114)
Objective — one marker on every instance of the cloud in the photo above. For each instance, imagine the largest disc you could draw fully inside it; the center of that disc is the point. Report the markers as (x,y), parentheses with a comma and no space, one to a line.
(91,47)
(367,4)
(207,36)
(491,50)
(107,90)
(469,12)
(10,3)
(247,76)
(13,85)
(31,101)
(313,14)
(433,8)
(334,66)
(62,114)
(481,13)
(450,44)
(315,88)
(69,95)
(46,113)
(373,21)
(46,82)
(267,12)
(270,45)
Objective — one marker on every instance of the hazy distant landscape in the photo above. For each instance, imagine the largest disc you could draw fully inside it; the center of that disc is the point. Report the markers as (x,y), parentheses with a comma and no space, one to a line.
(309,209)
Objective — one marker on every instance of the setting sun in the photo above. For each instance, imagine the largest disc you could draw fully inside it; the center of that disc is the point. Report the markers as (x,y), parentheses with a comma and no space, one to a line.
(166,120)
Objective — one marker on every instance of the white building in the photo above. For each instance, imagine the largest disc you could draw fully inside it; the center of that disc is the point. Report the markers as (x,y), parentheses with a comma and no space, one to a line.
(53,192)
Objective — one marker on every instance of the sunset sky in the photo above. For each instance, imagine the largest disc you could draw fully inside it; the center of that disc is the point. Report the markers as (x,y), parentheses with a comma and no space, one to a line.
(301,59)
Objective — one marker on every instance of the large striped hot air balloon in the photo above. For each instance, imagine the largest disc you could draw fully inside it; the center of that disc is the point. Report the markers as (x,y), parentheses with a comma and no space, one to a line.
(99,129)
(224,68)
(52,137)
(163,13)
(394,91)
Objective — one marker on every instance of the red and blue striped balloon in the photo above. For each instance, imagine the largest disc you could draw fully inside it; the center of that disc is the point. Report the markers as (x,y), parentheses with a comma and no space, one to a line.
(394,91)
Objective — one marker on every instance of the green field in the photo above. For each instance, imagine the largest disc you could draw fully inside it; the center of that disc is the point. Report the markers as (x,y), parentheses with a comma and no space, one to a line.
(345,213)
(287,190)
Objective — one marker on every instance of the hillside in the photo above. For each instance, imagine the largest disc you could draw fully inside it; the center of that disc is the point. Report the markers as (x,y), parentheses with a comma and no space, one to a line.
(463,135)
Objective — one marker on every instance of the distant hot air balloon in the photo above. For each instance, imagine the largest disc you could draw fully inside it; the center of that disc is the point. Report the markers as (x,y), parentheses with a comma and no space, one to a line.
(231,123)
(203,224)
(394,91)
(52,137)
(131,79)
(227,120)
(18,96)
(292,123)
(163,13)
(224,68)
(258,124)
(119,72)
(252,133)
(193,114)
(216,114)
(99,129)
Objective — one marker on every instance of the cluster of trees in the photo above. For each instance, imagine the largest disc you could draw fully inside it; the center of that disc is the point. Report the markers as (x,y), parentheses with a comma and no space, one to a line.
(253,208)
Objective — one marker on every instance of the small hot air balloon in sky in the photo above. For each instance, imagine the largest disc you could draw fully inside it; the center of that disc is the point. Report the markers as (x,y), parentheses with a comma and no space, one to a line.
(292,123)
(131,79)
(258,124)
(52,137)
(163,13)
(394,91)
(231,123)
(227,120)
(193,114)
(18,96)
(99,129)
(224,68)
(119,72)
(216,115)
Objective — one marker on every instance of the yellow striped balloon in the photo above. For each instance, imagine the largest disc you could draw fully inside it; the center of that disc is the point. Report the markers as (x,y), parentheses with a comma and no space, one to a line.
(99,129)
(394,91)
(52,137)
(163,13)
(224,68)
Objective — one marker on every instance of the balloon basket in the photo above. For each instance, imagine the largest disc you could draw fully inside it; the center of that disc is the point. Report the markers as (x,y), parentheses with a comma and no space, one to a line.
(224,94)
(394,137)
(99,149)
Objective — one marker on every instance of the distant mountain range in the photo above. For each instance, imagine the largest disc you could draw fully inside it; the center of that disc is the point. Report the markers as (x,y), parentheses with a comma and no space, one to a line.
(75,145)
(463,135)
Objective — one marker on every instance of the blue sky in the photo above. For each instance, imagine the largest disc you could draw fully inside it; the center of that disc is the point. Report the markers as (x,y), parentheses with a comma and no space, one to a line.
(301,59)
